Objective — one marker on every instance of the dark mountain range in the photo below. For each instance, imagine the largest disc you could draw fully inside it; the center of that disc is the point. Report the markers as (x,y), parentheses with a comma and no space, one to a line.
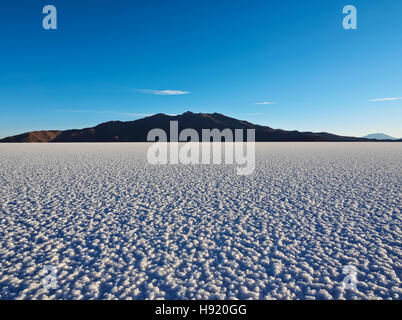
(137,130)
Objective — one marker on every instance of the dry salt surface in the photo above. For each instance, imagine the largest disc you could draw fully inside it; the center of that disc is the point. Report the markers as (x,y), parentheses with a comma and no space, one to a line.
(116,227)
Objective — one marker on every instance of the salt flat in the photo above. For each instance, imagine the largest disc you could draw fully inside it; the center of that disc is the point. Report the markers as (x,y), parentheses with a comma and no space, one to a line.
(116,227)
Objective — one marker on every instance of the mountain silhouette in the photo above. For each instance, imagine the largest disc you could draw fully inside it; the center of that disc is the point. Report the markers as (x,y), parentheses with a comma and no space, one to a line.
(379,136)
(137,130)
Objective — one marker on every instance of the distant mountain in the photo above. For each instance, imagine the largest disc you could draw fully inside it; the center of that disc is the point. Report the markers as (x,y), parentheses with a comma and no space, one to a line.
(379,136)
(137,130)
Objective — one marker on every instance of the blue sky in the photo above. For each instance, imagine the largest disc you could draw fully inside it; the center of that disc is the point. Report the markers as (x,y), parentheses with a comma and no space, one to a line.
(122,60)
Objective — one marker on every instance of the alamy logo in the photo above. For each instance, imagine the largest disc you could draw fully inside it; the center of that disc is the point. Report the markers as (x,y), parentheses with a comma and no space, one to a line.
(50,280)
(350,281)
(189,151)
(350,21)
(50,20)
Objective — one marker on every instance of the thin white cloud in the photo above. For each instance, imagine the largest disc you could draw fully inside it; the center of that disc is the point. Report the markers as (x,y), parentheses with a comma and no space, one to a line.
(129,114)
(386,99)
(265,102)
(163,92)
(119,113)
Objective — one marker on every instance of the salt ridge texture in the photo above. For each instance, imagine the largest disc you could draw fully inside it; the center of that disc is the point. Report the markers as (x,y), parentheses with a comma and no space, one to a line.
(116,227)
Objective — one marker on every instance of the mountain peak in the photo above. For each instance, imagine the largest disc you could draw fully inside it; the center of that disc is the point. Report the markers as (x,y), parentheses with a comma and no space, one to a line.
(379,136)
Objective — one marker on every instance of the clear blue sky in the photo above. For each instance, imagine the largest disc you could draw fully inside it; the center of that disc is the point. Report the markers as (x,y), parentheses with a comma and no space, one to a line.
(107,59)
